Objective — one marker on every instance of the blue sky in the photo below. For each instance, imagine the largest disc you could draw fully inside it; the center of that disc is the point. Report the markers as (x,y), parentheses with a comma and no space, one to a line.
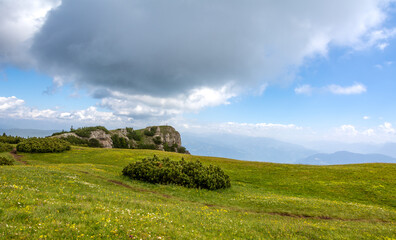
(311,72)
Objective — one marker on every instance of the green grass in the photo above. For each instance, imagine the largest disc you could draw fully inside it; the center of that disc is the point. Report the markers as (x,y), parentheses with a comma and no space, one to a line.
(81,194)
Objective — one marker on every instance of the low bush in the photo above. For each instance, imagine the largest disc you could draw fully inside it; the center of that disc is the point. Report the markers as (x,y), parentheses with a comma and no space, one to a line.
(183,173)
(6,161)
(150,132)
(76,141)
(134,135)
(93,142)
(172,148)
(181,150)
(119,142)
(59,133)
(43,145)
(10,139)
(6,147)
(157,140)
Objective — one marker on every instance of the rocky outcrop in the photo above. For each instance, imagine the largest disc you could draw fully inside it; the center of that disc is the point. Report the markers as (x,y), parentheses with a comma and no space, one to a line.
(164,138)
(103,138)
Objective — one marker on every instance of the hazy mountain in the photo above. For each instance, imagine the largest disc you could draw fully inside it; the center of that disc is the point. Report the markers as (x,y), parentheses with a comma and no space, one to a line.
(28,132)
(344,157)
(363,148)
(244,148)
(387,149)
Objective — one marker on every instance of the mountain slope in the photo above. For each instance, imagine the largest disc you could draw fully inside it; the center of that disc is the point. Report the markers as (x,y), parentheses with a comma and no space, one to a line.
(344,157)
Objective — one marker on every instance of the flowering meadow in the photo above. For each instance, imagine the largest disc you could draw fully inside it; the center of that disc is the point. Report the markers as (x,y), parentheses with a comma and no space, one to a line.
(82,194)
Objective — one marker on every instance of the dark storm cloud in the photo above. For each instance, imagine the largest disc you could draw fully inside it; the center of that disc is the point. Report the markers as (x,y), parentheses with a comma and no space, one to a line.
(163,48)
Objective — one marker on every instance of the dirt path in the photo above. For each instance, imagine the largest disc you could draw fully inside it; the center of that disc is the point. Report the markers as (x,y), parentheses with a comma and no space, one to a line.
(18,157)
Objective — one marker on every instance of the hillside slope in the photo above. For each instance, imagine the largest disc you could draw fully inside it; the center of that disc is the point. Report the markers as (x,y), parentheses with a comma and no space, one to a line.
(81,194)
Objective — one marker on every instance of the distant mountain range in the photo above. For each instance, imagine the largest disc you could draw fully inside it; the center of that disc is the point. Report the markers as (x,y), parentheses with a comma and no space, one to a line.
(244,148)
(344,157)
(388,148)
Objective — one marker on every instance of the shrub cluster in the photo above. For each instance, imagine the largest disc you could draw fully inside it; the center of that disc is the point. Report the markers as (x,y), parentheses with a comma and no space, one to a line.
(6,161)
(86,131)
(157,140)
(119,142)
(10,139)
(184,173)
(59,133)
(181,149)
(150,132)
(76,141)
(43,145)
(6,147)
(93,142)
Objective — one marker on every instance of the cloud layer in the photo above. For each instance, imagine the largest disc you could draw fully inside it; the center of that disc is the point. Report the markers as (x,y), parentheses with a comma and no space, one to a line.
(146,47)
(15,108)
(146,58)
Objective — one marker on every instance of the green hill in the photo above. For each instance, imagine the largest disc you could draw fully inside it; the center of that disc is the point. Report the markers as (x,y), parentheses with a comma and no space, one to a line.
(81,194)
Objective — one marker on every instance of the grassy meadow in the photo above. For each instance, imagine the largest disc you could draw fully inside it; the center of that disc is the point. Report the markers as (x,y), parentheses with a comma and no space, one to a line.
(81,194)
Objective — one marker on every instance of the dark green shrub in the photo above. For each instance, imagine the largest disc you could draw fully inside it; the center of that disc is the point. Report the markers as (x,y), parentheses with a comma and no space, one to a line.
(93,142)
(184,173)
(86,131)
(146,146)
(5,147)
(134,135)
(181,150)
(172,148)
(76,141)
(157,140)
(6,161)
(119,142)
(59,133)
(10,139)
(43,145)
(150,132)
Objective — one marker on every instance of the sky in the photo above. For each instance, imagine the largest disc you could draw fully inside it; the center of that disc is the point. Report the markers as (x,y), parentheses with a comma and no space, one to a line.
(297,71)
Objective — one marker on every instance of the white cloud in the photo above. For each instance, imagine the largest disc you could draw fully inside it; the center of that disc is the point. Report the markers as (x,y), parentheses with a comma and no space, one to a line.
(385,64)
(10,103)
(382,46)
(352,134)
(349,130)
(19,21)
(357,88)
(304,89)
(14,108)
(379,38)
(366,117)
(387,128)
(140,106)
